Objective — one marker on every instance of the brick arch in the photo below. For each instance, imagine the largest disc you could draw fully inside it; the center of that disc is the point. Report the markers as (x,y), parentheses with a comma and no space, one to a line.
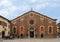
(21,28)
(42,28)
(31,29)
(13,28)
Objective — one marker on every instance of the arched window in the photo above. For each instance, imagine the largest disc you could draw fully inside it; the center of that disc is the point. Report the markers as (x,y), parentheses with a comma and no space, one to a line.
(14,30)
(31,22)
(50,29)
(0,22)
(41,29)
(21,29)
(5,24)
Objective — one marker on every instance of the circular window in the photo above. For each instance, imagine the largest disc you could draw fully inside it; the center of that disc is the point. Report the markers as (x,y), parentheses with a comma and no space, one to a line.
(31,14)
(31,22)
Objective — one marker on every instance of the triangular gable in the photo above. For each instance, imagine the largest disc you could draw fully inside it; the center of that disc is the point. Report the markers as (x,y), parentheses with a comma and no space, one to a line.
(36,13)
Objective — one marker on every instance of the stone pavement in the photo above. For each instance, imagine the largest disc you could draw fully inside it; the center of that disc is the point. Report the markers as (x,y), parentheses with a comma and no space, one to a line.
(33,40)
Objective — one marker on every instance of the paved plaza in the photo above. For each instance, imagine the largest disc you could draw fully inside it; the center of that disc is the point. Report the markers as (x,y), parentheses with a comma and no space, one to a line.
(32,40)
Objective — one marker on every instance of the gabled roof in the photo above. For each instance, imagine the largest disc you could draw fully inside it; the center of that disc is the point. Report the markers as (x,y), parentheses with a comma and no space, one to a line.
(36,13)
(4,18)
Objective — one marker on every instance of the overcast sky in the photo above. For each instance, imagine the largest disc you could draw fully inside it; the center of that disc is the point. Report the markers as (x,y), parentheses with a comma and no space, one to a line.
(10,9)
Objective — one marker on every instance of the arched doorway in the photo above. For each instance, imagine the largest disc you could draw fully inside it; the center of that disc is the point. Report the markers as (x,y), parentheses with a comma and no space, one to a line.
(3,34)
(42,35)
(21,35)
(31,32)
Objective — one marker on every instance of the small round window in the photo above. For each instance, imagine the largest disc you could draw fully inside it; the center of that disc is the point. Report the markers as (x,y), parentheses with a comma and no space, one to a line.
(31,22)
(31,15)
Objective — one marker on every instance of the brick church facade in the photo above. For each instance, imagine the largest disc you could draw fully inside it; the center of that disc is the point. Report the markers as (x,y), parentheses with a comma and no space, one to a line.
(33,25)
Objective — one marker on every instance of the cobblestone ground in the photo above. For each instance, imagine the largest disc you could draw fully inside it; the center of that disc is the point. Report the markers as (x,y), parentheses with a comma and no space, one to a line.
(32,40)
